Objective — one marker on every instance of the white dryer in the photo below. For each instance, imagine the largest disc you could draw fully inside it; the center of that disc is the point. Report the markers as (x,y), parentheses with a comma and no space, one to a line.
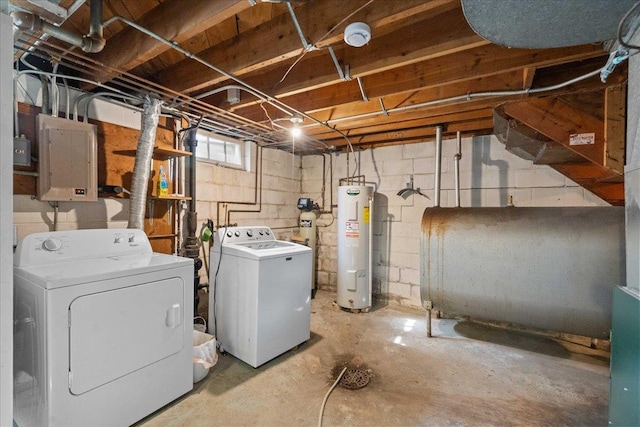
(260,294)
(103,328)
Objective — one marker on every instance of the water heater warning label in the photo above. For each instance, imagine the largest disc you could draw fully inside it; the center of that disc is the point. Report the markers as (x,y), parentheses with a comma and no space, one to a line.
(352,233)
(365,215)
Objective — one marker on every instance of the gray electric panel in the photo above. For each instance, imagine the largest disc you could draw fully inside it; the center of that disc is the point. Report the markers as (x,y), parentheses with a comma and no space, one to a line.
(67,168)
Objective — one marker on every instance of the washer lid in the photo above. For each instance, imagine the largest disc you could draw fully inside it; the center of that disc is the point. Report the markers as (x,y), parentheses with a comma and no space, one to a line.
(264,250)
(52,276)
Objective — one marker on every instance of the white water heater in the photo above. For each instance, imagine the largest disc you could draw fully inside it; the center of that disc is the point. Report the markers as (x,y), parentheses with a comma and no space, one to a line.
(355,215)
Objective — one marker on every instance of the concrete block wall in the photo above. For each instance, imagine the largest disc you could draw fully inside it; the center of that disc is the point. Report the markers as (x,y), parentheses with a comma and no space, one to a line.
(280,192)
(489,175)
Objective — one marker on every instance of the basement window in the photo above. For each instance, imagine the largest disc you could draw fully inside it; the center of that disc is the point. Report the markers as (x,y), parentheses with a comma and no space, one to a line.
(221,150)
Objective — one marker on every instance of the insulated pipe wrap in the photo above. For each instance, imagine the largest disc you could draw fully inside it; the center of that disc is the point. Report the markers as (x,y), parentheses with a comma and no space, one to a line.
(142,167)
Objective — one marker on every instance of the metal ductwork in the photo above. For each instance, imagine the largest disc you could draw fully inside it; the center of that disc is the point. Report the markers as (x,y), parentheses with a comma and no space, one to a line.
(93,42)
(545,23)
(526,143)
(142,166)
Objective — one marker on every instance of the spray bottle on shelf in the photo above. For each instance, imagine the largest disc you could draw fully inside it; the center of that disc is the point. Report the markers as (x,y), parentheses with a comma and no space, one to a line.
(163,187)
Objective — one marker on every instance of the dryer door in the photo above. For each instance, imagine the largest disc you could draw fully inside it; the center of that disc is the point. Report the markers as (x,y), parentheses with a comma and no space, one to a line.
(114,333)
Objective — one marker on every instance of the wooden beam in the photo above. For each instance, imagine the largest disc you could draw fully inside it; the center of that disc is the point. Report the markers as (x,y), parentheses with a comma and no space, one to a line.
(473,64)
(174,20)
(478,125)
(527,77)
(446,32)
(558,121)
(389,124)
(614,127)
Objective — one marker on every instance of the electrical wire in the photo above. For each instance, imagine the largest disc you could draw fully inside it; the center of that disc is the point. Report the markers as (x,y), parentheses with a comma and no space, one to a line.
(632,30)
(312,46)
(324,402)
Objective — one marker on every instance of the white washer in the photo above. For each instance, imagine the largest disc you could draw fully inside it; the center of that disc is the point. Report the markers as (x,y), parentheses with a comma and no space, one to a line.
(260,296)
(103,328)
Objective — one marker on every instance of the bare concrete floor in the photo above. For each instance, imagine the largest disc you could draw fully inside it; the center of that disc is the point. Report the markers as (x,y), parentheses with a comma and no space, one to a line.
(467,375)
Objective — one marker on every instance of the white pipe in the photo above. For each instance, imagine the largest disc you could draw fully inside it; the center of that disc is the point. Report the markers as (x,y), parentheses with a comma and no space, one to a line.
(436,186)
(55,92)
(466,97)
(371,219)
(67,105)
(456,166)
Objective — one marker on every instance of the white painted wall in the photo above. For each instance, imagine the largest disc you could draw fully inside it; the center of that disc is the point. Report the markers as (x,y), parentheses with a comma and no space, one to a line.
(6,230)
(489,175)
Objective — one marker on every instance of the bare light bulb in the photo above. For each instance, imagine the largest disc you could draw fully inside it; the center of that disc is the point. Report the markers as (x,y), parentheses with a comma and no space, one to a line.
(296,131)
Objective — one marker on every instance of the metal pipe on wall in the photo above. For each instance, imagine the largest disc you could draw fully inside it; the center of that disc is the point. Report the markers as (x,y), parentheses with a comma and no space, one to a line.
(438,174)
(257,191)
(456,166)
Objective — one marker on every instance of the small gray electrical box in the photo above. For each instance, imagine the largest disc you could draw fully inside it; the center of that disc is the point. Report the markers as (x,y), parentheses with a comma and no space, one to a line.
(21,152)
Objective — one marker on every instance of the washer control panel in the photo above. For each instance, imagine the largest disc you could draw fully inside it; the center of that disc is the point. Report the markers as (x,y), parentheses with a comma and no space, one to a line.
(229,235)
(47,248)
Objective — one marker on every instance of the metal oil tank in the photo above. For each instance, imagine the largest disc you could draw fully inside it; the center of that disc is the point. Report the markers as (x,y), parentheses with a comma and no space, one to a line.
(355,209)
(549,268)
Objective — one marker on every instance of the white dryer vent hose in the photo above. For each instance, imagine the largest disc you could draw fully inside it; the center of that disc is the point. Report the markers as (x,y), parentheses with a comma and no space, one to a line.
(142,167)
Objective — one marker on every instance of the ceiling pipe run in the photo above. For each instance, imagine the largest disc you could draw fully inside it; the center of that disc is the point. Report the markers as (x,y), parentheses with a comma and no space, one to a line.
(91,43)
(468,97)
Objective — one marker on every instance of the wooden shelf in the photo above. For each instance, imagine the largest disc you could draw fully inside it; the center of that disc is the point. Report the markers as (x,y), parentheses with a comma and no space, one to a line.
(169,197)
(161,236)
(168,153)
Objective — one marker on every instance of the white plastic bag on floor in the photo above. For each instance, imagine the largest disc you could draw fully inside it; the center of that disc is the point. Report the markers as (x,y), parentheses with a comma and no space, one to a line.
(204,354)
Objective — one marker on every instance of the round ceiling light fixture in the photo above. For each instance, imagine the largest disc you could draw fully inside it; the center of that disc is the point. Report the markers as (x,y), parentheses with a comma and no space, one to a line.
(296,119)
(357,34)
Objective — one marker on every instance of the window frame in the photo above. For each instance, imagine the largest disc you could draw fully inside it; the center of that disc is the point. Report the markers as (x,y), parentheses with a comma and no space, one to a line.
(208,138)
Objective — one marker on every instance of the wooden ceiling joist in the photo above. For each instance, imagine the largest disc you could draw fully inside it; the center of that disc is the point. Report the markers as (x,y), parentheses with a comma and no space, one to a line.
(445,33)
(171,20)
